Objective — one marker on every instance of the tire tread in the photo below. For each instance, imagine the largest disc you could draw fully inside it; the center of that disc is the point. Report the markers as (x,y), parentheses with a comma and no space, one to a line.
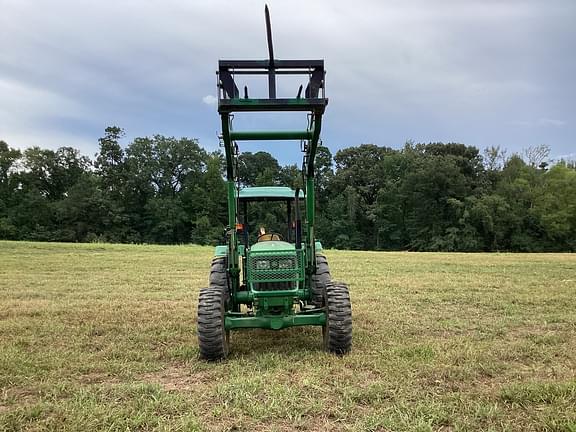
(338,328)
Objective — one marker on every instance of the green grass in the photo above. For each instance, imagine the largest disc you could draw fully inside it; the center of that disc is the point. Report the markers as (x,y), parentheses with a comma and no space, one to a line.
(102,337)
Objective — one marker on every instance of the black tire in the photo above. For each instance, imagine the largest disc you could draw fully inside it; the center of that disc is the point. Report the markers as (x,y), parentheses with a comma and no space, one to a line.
(320,279)
(213,338)
(218,277)
(338,328)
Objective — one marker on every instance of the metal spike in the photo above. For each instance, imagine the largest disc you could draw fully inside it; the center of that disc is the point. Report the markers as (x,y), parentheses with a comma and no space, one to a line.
(271,70)
(299,92)
(269,36)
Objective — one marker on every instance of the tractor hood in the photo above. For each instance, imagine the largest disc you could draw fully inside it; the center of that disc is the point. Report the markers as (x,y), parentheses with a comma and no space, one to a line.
(272,246)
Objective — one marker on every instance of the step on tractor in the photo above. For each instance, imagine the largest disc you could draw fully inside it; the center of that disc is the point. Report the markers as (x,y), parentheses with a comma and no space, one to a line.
(281,279)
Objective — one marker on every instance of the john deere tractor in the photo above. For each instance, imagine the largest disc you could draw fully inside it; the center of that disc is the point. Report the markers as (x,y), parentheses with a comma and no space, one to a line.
(271,280)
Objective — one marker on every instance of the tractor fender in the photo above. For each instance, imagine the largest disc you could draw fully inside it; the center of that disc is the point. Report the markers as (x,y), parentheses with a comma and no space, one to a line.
(220,251)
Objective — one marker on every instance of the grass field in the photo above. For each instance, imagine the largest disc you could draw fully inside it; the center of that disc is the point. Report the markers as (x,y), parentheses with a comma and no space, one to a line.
(102,337)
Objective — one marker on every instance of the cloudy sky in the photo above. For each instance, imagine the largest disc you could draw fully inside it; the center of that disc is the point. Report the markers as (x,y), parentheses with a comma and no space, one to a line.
(481,72)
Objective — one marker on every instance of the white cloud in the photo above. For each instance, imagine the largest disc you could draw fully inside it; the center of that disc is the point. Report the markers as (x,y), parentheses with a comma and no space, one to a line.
(550,122)
(209,100)
(23,104)
(31,116)
(49,139)
(541,122)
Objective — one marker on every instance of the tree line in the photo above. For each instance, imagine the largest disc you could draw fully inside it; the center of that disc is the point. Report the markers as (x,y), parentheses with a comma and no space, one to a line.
(423,197)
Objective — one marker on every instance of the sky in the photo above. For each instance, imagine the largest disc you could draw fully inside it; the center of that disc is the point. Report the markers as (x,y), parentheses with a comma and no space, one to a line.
(479,72)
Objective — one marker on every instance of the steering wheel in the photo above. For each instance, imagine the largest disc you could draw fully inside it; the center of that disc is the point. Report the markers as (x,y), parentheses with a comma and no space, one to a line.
(269,237)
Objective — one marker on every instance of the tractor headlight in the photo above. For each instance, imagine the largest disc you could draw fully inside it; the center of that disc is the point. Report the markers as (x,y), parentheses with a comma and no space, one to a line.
(262,265)
(286,264)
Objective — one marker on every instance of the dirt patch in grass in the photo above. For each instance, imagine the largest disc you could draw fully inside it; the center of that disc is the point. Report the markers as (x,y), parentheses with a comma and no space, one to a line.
(178,378)
(17,397)
(304,424)
(98,378)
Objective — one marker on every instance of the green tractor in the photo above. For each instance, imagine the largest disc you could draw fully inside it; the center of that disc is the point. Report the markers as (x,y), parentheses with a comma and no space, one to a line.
(276,280)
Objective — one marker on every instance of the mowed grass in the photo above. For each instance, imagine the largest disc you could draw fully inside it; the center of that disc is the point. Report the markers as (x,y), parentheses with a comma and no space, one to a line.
(102,337)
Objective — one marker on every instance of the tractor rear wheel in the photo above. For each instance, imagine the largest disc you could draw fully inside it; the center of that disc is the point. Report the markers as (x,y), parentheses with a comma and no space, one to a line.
(213,338)
(338,328)
(320,279)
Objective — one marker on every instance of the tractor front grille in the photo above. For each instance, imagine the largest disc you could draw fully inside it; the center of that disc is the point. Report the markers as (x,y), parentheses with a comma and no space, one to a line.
(280,270)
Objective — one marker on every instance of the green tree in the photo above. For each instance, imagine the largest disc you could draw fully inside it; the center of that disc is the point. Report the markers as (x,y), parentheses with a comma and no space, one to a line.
(53,173)
(207,203)
(555,206)
(258,169)
(159,171)
(9,157)
(110,162)
(360,172)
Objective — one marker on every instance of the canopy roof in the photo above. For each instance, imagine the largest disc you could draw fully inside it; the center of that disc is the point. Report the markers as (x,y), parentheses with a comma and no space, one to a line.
(268,193)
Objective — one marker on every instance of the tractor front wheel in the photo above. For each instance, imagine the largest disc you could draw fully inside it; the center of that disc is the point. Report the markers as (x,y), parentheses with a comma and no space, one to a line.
(319,280)
(338,328)
(213,338)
